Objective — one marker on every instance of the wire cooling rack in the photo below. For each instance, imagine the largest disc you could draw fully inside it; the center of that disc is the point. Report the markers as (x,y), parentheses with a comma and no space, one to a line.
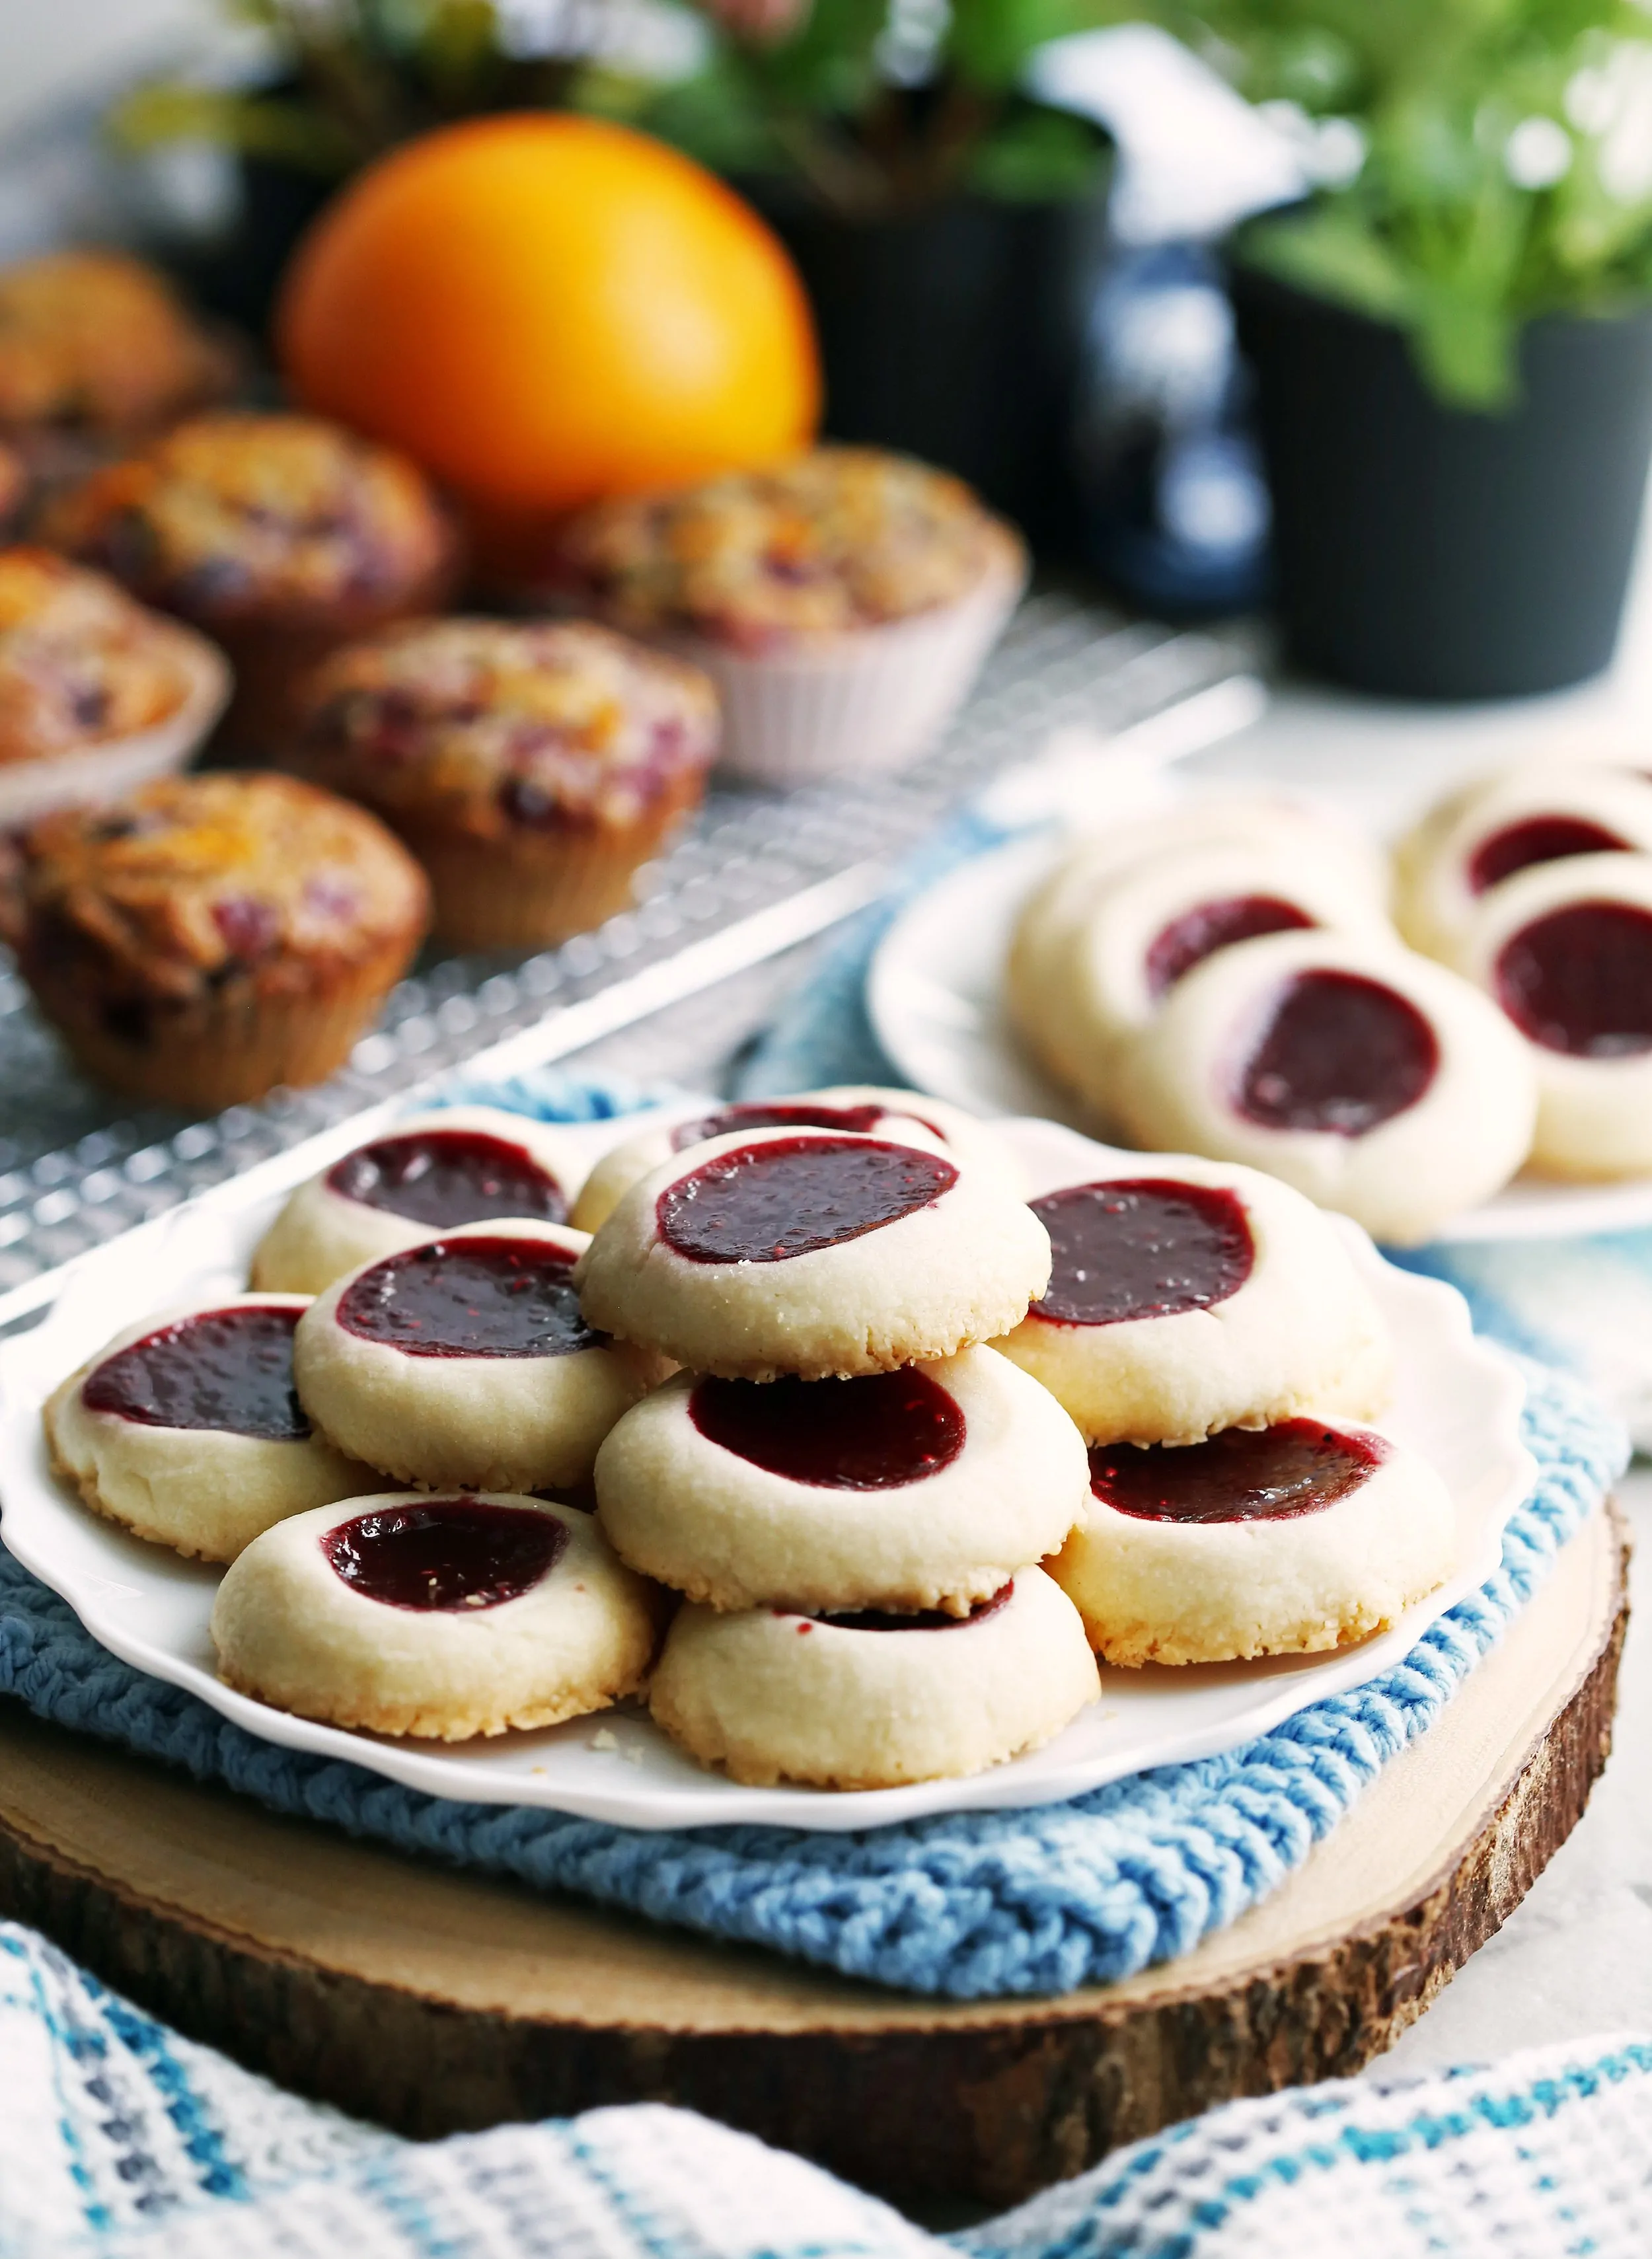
(756,874)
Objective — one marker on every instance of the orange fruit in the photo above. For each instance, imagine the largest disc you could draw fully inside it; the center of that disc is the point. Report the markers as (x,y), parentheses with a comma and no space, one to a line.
(543,310)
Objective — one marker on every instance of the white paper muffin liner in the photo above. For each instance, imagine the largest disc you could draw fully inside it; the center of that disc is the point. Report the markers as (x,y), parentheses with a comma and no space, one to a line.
(871,698)
(118,765)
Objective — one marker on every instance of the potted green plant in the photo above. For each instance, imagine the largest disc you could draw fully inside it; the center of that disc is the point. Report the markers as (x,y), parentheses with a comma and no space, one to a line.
(943,220)
(1451,333)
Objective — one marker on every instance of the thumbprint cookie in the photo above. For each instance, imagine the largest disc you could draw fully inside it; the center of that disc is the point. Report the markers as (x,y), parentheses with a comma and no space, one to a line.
(1566,950)
(924,1488)
(867,1700)
(1517,819)
(1371,1078)
(819,1253)
(442,1618)
(467,1360)
(1286,1540)
(1152,925)
(455,1166)
(1191,1295)
(862,1107)
(189,1430)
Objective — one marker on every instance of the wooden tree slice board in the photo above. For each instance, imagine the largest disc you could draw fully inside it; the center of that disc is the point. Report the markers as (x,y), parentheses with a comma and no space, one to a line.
(433,2001)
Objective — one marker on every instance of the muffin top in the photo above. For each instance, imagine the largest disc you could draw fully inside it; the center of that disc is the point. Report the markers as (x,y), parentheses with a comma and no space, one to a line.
(489,724)
(80,662)
(191,881)
(233,516)
(99,341)
(844,538)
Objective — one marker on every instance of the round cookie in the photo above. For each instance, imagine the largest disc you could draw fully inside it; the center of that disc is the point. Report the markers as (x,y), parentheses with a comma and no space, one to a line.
(1371,1078)
(839,1704)
(466,1361)
(862,1106)
(434,1172)
(441,1618)
(1286,1540)
(1058,909)
(188,1430)
(822,1254)
(1152,924)
(1566,950)
(1517,819)
(1189,1295)
(924,1488)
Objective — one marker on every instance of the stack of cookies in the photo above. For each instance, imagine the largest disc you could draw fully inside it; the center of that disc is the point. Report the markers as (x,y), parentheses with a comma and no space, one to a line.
(846,1484)
(1208,1332)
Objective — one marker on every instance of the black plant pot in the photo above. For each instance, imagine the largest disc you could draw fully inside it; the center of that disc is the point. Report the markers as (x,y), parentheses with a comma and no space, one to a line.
(955,334)
(1428,553)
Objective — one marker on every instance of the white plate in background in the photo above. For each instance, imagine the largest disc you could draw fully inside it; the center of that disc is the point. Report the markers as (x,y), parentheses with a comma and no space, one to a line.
(935,997)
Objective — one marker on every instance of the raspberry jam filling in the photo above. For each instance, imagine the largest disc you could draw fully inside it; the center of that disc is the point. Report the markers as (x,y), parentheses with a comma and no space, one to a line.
(446,1553)
(794,1196)
(232,1370)
(1141,1247)
(920,1620)
(1187,941)
(802,1115)
(1244,1474)
(470,1298)
(1336,1053)
(1580,980)
(1537,839)
(871,1434)
(448,1177)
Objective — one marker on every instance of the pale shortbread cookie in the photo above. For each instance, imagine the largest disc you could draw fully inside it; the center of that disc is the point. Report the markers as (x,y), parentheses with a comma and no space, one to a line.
(1257,1311)
(205,1489)
(1183,1592)
(933,1485)
(322,1231)
(573,1631)
(1566,949)
(1151,924)
(773,1696)
(1369,1078)
(409,1396)
(901,1255)
(1517,818)
(866,1107)
(1055,912)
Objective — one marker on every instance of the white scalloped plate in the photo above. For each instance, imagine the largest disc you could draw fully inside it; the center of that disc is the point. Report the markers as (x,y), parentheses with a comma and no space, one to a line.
(1458,1402)
(934,995)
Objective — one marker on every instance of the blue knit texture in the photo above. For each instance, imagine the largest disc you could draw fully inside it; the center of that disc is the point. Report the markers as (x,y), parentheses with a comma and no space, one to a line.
(973,1905)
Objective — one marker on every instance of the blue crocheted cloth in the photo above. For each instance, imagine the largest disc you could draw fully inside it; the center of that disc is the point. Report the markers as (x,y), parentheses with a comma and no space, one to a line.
(973,1905)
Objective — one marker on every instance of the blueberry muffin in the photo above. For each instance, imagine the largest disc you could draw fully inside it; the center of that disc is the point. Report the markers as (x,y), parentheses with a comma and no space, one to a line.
(14,481)
(209,936)
(532,767)
(279,535)
(95,693)
(843,602)
(92,341)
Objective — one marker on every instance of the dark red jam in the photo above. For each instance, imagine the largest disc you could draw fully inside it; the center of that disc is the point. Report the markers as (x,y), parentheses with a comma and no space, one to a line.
(446,1553)
(1337,1052)
(445,1177)
(470,1298)
(1580,980)
(921,1619)
(800,1114)
(226,1369)
(1187,941)
(871,1434)
(1537,839)
(1244,1474)
(795,1195)
(1140,1247)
